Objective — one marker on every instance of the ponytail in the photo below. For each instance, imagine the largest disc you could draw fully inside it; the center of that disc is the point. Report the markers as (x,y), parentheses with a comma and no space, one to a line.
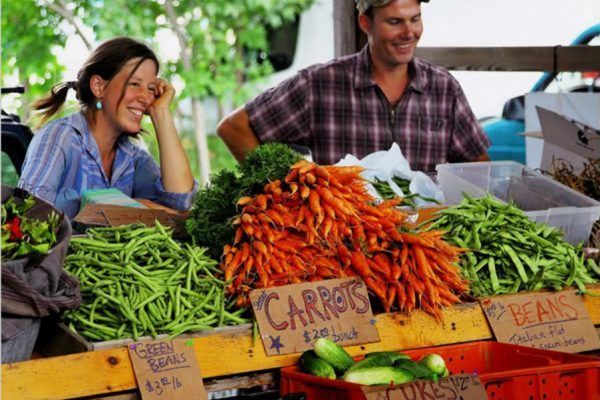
(53,102)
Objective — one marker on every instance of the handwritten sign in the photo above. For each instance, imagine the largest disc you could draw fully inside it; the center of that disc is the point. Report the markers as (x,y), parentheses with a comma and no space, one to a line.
(290,318)
(547,320)
(463,386)
(167,370)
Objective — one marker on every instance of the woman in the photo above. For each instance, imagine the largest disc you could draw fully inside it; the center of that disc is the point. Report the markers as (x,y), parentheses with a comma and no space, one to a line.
(91,149)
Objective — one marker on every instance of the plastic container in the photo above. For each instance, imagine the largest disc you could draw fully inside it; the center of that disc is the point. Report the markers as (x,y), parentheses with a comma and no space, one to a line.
(508,372)
(542,198)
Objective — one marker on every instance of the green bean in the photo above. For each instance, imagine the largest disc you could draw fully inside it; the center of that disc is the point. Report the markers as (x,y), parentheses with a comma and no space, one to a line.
(505,244)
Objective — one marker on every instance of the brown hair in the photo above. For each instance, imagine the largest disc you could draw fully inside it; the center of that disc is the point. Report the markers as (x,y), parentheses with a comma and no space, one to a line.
(106,61)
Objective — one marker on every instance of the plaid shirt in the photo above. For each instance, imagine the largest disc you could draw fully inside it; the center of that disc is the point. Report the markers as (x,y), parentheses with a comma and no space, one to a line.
(337,109)
(63,160)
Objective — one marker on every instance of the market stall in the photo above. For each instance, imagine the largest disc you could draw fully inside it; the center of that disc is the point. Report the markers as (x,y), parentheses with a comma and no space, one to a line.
(283,222)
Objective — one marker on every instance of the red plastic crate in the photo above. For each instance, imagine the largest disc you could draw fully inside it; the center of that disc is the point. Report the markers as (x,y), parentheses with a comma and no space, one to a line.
(508,372)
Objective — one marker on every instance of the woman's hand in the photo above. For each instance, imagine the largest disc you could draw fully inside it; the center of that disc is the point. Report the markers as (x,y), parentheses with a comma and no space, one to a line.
(163,96)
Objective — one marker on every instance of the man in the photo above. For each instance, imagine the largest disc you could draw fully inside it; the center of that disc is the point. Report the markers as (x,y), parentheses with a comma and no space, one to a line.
(366,101)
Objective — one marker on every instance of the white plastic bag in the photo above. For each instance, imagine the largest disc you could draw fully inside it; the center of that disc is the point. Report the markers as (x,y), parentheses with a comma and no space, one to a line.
(384,165)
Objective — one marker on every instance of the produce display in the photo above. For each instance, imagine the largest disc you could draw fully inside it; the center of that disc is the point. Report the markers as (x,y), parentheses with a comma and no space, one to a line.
(330,360)
(386,193)
(214,208)
(320,222)
(23,236)
(137,281)
(509,252)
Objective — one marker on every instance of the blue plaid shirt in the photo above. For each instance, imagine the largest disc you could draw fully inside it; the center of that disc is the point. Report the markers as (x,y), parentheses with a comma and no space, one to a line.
(63,161)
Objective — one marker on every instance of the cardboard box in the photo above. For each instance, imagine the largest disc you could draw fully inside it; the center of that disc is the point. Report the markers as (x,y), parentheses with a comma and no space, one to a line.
(565,139)
(110,215)
(580,107)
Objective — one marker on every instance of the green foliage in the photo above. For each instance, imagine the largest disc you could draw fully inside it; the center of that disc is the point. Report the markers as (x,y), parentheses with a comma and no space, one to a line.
(29,35)
(215,205)
(266,163)
(21,235)
(224,40)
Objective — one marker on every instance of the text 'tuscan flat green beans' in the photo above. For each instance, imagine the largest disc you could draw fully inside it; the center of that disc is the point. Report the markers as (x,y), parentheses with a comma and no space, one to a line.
(137,281)
(509,252)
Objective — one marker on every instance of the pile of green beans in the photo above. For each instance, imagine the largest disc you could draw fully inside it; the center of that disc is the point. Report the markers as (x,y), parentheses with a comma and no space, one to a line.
(509,252)
(386,192)
(137,281)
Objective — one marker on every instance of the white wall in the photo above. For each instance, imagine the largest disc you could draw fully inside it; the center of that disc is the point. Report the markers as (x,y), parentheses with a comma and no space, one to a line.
(503,23)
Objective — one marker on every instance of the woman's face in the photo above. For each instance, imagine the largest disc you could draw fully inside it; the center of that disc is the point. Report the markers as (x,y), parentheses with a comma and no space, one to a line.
(139,93)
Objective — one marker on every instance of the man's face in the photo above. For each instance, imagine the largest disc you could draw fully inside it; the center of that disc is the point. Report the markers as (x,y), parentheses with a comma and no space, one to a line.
(393,31)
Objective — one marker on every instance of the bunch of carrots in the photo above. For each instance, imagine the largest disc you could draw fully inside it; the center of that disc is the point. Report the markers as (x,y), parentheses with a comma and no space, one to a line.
(321,223)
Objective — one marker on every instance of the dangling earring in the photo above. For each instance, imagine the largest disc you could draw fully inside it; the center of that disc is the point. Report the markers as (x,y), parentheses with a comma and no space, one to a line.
(99,104)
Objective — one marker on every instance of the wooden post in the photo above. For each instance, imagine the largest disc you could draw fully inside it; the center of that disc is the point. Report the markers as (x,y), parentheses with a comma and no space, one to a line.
(344,28)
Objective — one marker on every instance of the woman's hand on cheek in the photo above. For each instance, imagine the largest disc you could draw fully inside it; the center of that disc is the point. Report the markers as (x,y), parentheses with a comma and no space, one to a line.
(164,94)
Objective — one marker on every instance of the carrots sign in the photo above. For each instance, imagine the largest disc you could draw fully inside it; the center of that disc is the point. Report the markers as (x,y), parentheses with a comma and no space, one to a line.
(291,317)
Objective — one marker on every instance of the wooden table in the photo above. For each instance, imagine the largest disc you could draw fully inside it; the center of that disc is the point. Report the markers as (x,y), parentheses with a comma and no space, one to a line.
(231,351)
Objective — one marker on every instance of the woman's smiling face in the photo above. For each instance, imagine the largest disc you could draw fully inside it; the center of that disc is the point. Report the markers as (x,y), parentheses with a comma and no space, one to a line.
(126,101)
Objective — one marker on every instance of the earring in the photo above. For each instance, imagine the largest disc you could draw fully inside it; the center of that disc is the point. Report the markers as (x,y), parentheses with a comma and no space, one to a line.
(99,104)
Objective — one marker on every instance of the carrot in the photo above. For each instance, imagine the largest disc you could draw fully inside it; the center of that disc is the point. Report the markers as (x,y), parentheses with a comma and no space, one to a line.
(304,192)
(261,201)
(359,263)
(314,204)
(421,261)
(293,175)
(414,239)
(384,264)
(244,200)
(307,167)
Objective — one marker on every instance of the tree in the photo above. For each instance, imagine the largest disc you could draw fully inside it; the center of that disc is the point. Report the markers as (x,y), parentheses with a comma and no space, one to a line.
(222,43)
(29,55)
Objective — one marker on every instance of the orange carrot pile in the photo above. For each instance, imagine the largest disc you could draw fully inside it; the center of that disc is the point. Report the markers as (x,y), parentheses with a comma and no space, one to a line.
(321,223)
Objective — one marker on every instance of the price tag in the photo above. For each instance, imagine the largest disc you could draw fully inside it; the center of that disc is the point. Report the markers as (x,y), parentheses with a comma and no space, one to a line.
(290,318)
(546,320)
(463,386)
(167,369)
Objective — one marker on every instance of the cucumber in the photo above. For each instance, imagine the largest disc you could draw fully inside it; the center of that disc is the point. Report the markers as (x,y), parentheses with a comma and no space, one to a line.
(434,362)
(377,360)
(312,364)
(420,371)
(379,376)
(393,355)
(334,354)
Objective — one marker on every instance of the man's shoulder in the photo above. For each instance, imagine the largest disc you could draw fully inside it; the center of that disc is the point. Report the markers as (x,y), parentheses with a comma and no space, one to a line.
(337,65)
(435,75)
(431,68)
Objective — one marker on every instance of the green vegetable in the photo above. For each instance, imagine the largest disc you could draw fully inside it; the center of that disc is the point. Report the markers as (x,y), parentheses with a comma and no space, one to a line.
(386,192)
(24,236)
(509,252)
(420,371)
(334,354)
(434,363)
(264,164)
(392,355)
(379,376)
(215,205)
(312,364)
(375,360)
(138,281)
(446,373)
